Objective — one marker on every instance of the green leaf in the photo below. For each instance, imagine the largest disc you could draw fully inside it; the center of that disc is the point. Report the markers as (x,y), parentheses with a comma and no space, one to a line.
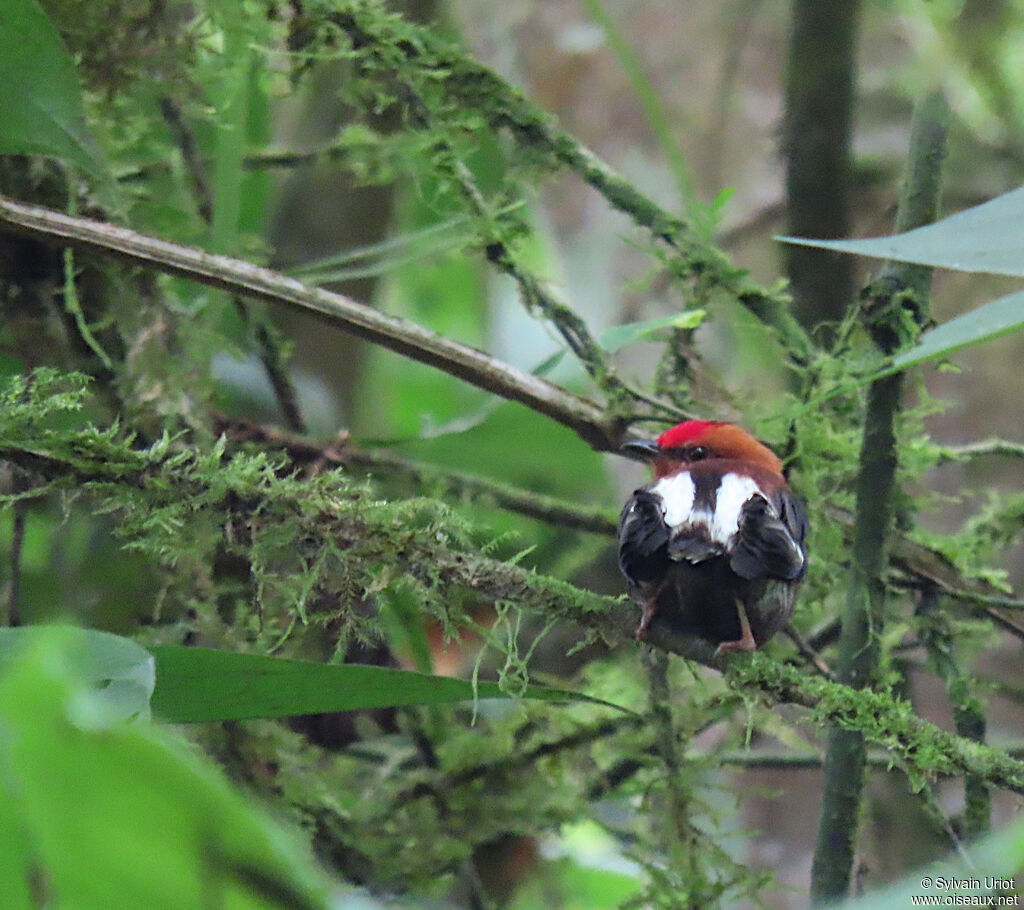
(618,336)
(986,238)
(118,673)
(127,816)
(199,684)
(991,320)
(41,110)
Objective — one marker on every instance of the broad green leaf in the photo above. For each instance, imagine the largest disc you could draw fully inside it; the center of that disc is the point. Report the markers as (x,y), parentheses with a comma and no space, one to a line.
(991,320)
(119,673)
(41,110)
(126,816)
(199,684)
(618,336)
(986,238)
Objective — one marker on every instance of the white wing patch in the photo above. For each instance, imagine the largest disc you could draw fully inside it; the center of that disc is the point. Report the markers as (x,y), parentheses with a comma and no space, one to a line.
(722,525)
(733,492)
(676,494)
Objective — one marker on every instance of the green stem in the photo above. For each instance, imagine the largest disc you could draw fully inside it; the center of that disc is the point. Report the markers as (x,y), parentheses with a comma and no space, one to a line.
(900,286)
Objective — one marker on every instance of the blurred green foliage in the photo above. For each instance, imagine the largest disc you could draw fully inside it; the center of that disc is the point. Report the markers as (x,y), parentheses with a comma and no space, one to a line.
(158,496)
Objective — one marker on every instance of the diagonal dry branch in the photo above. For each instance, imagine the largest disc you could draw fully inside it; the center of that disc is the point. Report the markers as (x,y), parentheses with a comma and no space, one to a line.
(244,279)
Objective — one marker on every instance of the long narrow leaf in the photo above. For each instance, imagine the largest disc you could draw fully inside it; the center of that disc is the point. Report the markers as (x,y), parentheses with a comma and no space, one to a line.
(199,684)
(991,320)
(619,336)
(985,238)
(422,239)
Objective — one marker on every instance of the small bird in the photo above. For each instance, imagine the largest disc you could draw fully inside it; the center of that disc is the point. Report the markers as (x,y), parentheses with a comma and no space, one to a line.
(715,545)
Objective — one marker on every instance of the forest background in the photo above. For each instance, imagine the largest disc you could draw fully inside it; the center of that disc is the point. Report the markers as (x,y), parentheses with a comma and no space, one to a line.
(323,323)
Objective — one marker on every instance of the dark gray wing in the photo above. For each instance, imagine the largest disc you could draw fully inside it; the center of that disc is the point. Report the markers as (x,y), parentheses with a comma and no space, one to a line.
(770,542)
(643,538)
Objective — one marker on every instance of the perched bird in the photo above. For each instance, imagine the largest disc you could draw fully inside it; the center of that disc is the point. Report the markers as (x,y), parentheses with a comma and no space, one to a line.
(715,545)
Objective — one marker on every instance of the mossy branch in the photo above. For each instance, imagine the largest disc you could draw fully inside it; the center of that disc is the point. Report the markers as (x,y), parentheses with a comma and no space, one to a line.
(416,56)
(921,748)
(985,448)
(921,566)
(177,487)
(344,452)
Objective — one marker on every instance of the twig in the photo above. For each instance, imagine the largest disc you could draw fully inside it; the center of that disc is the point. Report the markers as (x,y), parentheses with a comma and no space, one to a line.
(805,649)
(825,635)
(248,280)
(185,139)
(267,159)
(520,760)
(865,607)
(968,714)
(548,509)
(982,449)
(943,824)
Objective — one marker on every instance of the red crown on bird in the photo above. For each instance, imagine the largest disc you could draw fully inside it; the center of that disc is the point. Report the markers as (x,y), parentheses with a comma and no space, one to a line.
(688,432)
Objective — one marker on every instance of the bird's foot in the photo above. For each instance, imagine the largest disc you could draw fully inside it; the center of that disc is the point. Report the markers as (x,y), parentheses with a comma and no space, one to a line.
(746,640)
(650,608)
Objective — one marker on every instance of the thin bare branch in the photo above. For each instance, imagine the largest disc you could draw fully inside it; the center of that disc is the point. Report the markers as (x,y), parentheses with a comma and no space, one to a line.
(247,280)
(984,448)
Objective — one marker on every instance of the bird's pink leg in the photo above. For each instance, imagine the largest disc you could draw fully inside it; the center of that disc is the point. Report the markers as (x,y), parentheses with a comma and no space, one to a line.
(650,607)
(746,640)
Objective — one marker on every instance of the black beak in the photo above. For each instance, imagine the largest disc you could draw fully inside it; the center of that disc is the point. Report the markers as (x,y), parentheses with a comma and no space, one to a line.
(640,449)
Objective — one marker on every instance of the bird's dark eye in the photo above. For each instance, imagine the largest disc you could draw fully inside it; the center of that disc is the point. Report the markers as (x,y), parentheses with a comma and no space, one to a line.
(697,453)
